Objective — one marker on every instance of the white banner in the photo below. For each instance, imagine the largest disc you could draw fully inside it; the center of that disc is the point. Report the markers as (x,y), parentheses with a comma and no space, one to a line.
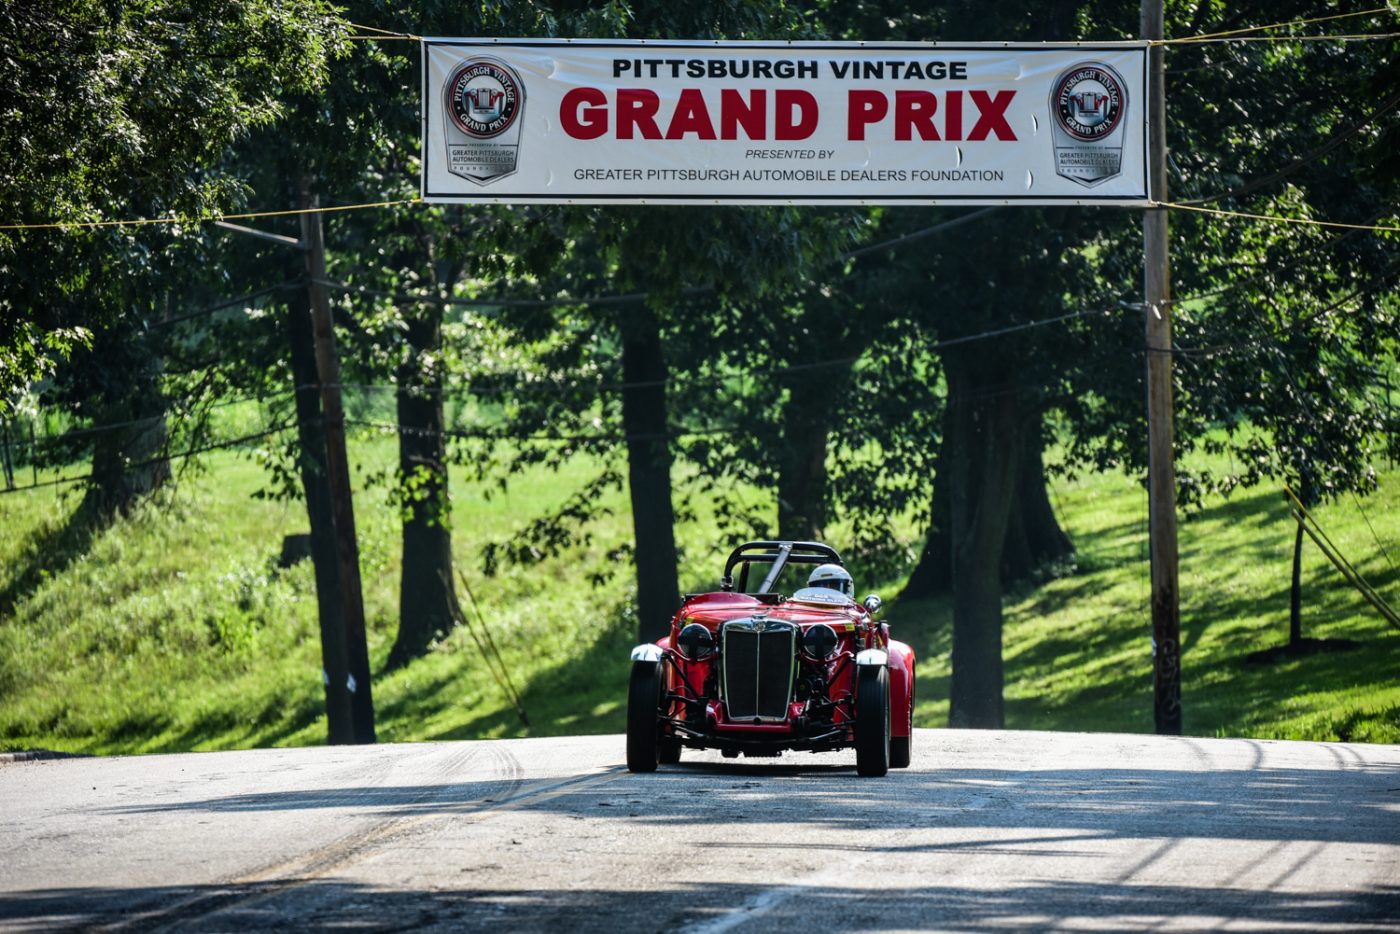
(603,122)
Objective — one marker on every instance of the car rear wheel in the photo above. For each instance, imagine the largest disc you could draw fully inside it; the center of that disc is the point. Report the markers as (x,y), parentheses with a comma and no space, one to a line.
(643,705)
(873,721)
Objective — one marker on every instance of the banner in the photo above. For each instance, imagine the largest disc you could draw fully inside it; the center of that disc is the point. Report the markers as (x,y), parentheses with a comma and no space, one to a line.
(604,122)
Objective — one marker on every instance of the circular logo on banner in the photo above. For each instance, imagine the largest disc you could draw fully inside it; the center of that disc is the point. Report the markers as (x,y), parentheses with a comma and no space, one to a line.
(1089,101)
(483,97)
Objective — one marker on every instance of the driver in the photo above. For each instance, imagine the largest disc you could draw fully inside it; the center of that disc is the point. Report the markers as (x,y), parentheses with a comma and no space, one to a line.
(826,578)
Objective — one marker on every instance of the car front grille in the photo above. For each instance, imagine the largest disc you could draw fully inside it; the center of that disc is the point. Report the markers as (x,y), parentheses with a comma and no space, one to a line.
(759,658)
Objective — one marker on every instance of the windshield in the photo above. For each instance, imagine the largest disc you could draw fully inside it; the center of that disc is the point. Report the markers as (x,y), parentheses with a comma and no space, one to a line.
(793,577)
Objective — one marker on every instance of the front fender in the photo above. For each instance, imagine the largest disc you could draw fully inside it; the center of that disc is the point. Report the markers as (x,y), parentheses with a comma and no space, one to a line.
(901,687)
(648,652)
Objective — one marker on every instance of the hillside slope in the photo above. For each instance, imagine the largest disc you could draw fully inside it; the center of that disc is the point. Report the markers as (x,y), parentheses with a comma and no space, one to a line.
(176,629)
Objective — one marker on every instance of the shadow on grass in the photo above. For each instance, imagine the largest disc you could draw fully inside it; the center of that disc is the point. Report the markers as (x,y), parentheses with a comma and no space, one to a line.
(278,718)
(559,699)
(48,555)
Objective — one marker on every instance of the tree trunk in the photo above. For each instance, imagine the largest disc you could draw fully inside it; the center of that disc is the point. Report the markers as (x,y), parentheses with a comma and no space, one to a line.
(934,573)
(1033,537)
(315,484)
(802,478)
(985,445)
(427,595)
(128,463)
(1295,594)
(649,474)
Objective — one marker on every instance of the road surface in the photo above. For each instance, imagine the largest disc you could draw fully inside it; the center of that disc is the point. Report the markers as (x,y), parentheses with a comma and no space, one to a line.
(988,831)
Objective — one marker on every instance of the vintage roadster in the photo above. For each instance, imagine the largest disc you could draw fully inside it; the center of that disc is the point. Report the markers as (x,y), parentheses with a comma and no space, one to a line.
(752,672)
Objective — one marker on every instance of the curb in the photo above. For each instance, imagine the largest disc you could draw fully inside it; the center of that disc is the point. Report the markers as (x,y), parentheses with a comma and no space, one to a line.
(34,755)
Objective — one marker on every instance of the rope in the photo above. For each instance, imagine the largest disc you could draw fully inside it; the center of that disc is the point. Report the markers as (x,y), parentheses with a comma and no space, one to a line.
(1306,221)
(1297,22)
(383,33)
(1343,37)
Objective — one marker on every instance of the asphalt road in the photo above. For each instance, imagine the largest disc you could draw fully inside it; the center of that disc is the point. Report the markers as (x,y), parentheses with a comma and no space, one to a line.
(989,831)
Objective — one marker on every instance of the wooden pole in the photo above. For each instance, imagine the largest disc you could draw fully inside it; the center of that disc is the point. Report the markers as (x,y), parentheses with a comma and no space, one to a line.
(1161,484)
(338,468)
(325,553)
(9,464)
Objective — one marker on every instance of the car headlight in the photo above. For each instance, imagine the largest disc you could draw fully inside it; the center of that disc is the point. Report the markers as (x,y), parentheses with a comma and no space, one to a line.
(819,641)
(695,642)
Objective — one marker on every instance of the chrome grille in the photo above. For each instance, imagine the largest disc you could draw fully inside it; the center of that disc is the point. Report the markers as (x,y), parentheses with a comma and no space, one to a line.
(759,658)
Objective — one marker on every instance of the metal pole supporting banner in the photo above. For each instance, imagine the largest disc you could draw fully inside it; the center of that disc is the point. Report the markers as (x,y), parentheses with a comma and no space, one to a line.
(1157,308)
(338,470)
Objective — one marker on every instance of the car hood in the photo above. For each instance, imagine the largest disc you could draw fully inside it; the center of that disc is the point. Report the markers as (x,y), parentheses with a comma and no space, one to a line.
(716,608)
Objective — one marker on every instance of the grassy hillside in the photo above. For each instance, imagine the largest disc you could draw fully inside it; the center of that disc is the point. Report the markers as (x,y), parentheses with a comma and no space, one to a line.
(175,629)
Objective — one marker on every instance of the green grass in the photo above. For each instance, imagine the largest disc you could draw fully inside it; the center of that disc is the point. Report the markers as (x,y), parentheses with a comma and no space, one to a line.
(1078,649)
(175,630)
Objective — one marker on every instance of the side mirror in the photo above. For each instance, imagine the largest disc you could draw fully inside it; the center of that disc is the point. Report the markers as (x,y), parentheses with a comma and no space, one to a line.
(873,603)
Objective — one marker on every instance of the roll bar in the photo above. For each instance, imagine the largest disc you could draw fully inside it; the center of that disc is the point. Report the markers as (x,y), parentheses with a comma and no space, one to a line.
(780,554)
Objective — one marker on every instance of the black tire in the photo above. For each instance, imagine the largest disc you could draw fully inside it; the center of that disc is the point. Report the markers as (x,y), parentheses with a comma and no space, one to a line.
(873,721)
(669,752)
(643,705)
(901,747)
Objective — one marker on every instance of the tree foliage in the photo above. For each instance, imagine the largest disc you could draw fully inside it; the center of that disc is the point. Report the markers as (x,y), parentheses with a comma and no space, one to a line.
(120,111)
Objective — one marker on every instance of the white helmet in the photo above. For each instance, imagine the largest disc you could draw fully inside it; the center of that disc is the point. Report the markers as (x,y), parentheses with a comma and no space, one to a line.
(833,577)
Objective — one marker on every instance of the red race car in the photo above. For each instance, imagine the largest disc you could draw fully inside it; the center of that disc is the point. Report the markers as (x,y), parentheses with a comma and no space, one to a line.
(752,672)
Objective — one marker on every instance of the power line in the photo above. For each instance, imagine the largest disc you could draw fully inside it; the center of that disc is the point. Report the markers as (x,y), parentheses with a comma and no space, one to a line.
(230,303)
(482,433)
(776,372)
(209,218)
(628,297)
(1379,544)
(916,235)
(192,452)
(495,434)
(1306,158)
(561,302)
(147,420)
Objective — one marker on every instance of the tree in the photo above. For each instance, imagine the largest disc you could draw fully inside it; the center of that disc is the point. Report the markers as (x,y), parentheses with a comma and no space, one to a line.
(1275,361)
(174,83)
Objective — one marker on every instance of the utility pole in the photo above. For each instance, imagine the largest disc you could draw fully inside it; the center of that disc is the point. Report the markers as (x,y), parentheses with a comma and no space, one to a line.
(357,678)
(315,482)
(1161,474)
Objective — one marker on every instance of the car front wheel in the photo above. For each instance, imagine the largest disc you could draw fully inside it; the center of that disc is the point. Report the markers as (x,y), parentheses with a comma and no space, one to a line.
(643,702)
(873,721)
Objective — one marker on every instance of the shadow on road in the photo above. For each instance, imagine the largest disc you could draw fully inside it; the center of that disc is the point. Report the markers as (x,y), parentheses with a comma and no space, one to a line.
(1359,804)
(332,905)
